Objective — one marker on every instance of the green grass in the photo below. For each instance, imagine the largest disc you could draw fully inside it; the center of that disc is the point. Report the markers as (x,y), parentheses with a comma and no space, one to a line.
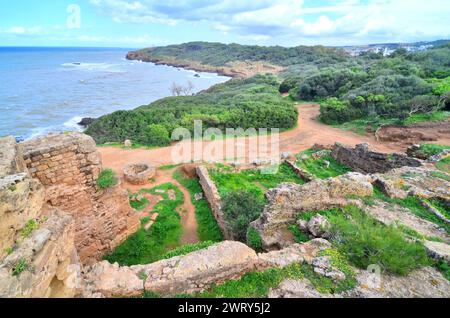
(253,181)
(364,241)
(29,227)
(444,165)
(444,268)
(317,167)
(184,250)
(414,205)
(138,205)
(299,236)
(21,266)
(254,240)
(146,247)
(433,149)
(364,126)
(258,284)
(419,118)
(208,229)
(168,167)
(107,179)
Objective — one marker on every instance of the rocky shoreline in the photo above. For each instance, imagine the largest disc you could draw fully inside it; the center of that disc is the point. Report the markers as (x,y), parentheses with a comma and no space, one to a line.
(243,69)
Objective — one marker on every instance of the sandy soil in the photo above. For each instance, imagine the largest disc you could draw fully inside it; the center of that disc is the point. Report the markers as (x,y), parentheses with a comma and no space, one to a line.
(307,133)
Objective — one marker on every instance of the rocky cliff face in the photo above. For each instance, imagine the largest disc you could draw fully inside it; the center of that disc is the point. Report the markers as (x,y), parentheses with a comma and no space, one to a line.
(68,165)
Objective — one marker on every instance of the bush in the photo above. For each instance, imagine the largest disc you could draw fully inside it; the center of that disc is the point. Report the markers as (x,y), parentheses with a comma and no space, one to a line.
(334,111)
(107,179)
(240,209)
(254,240)
(365,242)
(155,135)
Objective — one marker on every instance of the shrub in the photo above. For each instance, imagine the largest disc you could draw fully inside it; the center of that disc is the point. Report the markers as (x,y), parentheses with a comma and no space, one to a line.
(21,266)
(107,179)
(365,242)
(29,228)
(240,209)
(254,239)
(155,135)
(187,249)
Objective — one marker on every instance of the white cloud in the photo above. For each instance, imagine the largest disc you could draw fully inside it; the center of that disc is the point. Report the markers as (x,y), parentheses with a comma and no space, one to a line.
(22,31)
(296,20)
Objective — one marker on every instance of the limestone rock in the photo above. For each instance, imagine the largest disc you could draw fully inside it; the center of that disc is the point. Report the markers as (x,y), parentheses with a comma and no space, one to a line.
(322,266)
(128,144)
(438,250)
(319,226)
(288,200)
(183,274)
(363,160)
(291,288)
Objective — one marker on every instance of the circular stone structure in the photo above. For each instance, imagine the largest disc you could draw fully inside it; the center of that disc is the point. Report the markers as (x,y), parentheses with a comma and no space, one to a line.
(139,173)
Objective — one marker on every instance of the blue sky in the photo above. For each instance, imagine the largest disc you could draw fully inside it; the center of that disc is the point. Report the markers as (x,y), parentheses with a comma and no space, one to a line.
(140,23)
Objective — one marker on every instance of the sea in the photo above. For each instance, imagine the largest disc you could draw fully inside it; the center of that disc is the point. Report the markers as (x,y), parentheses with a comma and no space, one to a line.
(44,90)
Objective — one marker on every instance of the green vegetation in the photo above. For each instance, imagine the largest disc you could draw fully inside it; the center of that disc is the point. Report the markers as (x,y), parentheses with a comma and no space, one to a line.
(240,208)
(255,181)
(21,266)
(432,149)
(243,193)
(299,236)
(145,247)
(218,54)
(444,165)
(414,205)
(29,227)
(107,179)
(364,241)
(254,240)
(184,250)
(419,118)
(444,268)
(319,167)
(239,103)
(208,230)
(258,284)
(138,201)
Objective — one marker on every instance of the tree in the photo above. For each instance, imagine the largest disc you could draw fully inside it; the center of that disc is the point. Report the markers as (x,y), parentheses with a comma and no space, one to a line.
(179,90)
(423,104)
(240,209)
(155,135)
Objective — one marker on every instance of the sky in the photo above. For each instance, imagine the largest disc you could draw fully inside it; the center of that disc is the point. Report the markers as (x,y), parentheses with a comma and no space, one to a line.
(144,23)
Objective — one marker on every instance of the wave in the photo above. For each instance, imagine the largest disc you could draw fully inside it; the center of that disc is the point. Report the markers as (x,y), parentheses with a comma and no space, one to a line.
(99,67)
(70,125)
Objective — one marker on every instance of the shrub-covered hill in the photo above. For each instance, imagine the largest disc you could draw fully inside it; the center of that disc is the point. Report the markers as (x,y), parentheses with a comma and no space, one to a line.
(239,103)
(375,88)
(218,54)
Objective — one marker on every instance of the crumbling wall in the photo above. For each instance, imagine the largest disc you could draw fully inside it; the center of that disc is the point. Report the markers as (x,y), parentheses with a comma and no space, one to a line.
(288,200)
(362,159)
(194,272)
(37,252)
(213,197)
(68,166)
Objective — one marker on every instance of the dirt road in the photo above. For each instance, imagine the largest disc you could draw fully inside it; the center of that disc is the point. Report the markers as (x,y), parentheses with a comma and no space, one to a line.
(308,132)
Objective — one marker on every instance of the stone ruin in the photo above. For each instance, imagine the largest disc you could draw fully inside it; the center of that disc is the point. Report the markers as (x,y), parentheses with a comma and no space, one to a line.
(52,181)
(139,174)
(362,159)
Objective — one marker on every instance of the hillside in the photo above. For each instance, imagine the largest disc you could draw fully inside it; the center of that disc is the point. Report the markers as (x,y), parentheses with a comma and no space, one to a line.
(358,93)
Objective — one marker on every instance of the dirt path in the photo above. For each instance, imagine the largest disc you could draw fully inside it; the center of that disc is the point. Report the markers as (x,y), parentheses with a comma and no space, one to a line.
(308,132)
(186,210)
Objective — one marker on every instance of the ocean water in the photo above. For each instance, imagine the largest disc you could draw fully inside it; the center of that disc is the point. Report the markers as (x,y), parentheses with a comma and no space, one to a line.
(46,90)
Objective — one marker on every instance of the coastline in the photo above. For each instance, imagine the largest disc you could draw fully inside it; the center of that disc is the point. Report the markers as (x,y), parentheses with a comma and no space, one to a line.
(242,69)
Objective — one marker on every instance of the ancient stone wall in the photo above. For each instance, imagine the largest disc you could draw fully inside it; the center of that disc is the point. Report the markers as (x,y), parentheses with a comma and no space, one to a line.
(288,200)
(213,197)
(362,159)
(305,175)
(194,272)
(68,166)
(44,264)
(37,251)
